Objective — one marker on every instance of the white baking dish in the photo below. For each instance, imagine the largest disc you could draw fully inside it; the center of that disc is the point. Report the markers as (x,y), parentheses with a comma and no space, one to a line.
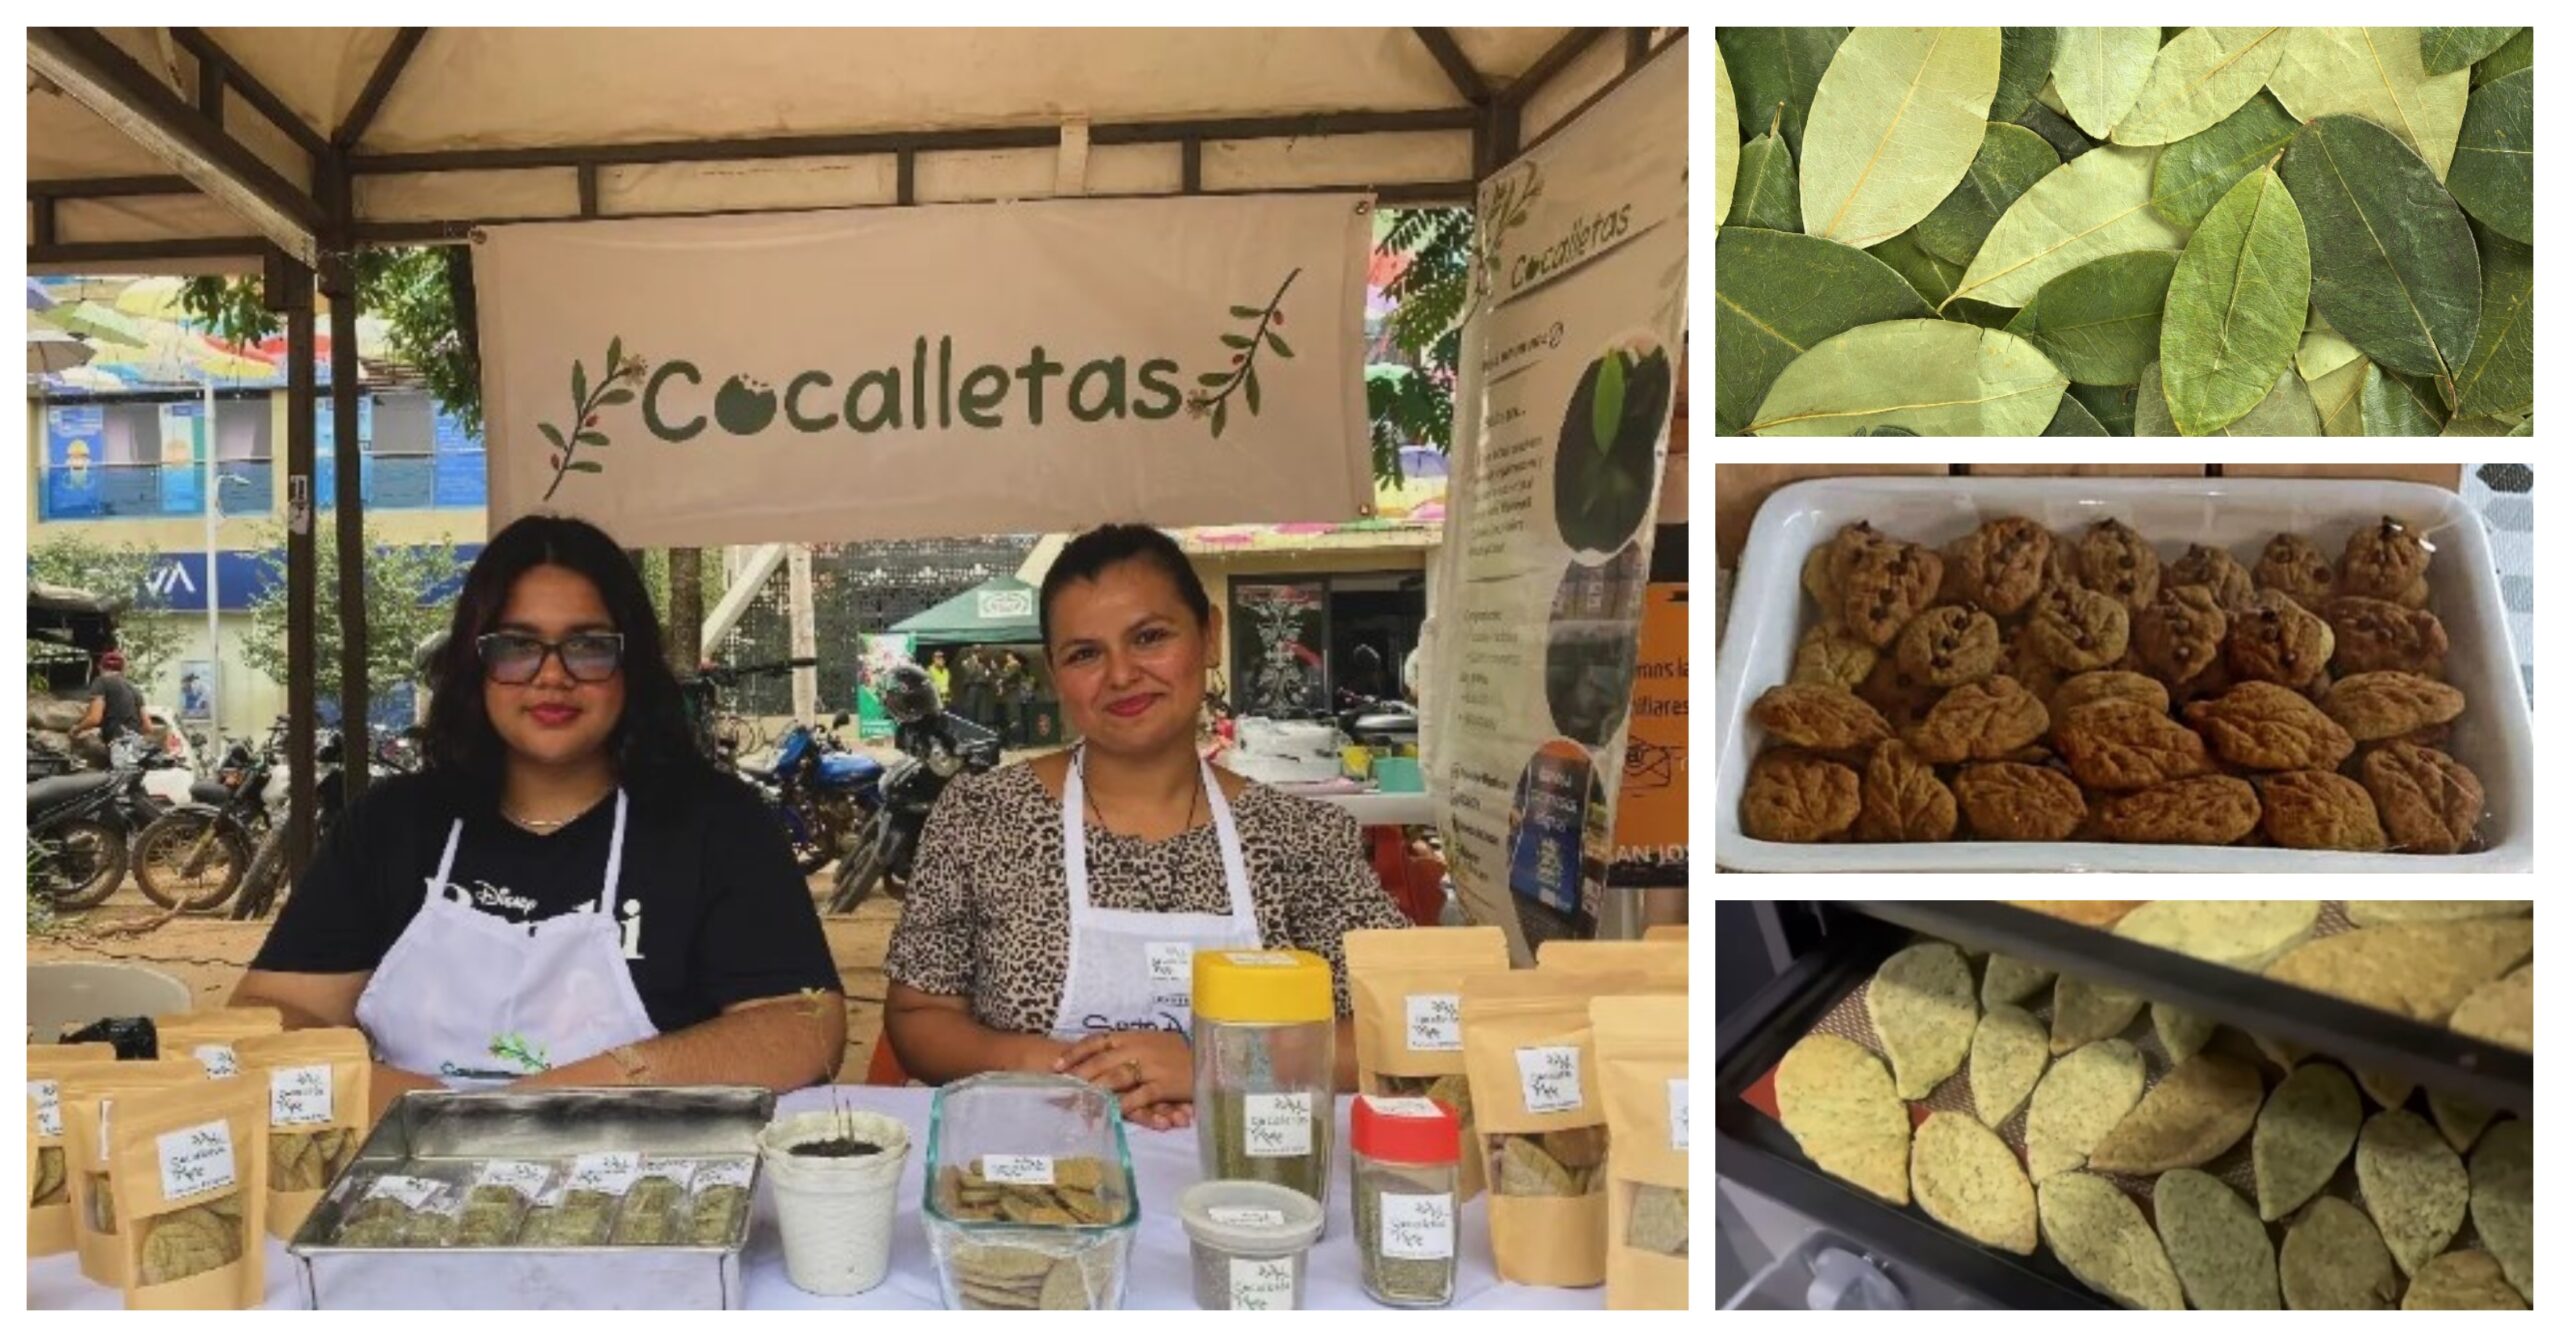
(2494,736)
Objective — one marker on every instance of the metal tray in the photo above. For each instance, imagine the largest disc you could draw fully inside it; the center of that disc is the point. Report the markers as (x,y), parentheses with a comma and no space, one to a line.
(425,1128)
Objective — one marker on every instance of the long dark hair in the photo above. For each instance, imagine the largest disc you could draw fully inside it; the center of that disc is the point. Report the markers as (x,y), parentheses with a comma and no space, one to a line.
(1094,551)
(652,746)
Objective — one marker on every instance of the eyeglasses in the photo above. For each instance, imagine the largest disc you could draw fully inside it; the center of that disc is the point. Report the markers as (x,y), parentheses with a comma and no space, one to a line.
(514,658)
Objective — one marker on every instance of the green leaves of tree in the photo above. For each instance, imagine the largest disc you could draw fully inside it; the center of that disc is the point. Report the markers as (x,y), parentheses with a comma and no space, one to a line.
(1934,377)
(2100,72)
(2010,160)
(1778,294)
(1775,72)
(2374,73)
(2236,304)
(2200,78)
(2195,172)
(1764,192)
(2393,265)
(1893,127)
(2097,205)
(1728,140)
(2444,50)
(2493,168)
(2498,376)
(2026,59)
(2101,322)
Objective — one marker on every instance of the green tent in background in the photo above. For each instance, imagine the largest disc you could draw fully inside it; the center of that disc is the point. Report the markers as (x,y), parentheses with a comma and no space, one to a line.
(1002,611)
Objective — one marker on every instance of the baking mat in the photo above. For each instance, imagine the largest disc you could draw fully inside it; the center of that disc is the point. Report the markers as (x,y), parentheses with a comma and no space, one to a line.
(1848,1018)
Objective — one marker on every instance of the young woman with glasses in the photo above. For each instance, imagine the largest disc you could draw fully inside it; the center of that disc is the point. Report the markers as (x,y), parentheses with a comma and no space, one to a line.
(567,894)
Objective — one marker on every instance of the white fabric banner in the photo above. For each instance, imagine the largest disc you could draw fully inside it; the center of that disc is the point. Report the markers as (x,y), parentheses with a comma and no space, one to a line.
(1570,363)
(916,372)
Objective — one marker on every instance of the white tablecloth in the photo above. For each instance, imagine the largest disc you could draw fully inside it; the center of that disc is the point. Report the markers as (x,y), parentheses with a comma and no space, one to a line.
(1159,1263)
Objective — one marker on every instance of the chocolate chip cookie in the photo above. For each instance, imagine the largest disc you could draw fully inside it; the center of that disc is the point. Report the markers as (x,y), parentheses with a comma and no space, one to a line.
(2076,629)
(2118,562)
(2180,635)
(1872,584)
(2275,639)
(1832,656)
(2295,566)
(2377,634)
(1949,646)
(2386,560)
(2216,570)
(2000,566)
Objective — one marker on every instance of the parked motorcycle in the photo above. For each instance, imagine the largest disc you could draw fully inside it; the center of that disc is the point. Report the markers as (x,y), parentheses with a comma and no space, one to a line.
(938,748)
(195,856)
(822,791)
(265,880)
(81,827)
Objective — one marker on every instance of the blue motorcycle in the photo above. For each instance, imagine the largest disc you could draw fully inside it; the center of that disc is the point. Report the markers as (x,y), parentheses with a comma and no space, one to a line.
(821,791)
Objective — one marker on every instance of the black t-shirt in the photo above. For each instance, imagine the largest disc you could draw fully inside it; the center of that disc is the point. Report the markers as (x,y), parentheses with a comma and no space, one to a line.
(723,916)
(123,714)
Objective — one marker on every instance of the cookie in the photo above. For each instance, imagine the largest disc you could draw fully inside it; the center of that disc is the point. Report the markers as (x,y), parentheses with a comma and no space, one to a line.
(2273,639)
(2119,563)
(2414,1186)
(1900,798)
(2304,1133)
(2085,1012)
(2006,979)
(2078,1102)
(1838,1103)
(2502,1200)
(2220,1251)
(2333,1258)
(2214,569)
(2417,970)
(2386,560)
(1921,1003)
(2000,566)
(2470,1279)
(2101,1237)
(1963,1175)
(2244,935)
(1949,646)
(2200,1110)
(1798,797)
(2500,1012)
(2077,629)
(2008,1056)
(2294,566)
(2180,635)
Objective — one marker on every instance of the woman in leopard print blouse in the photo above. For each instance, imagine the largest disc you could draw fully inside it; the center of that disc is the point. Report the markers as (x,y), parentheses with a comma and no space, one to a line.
(1056,903)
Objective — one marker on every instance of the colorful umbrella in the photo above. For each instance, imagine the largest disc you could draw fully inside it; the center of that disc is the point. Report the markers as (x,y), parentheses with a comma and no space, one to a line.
(49,349)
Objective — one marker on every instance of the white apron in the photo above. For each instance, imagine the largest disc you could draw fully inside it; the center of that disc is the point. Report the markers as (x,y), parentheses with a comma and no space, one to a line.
(1130,970)
(478,1001)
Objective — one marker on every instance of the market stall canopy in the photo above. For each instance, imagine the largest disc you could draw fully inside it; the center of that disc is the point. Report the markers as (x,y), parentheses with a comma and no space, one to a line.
(447,128)
(1002,611)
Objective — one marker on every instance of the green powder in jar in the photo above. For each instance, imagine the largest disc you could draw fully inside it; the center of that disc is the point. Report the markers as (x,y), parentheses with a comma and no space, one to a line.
(1233,1157)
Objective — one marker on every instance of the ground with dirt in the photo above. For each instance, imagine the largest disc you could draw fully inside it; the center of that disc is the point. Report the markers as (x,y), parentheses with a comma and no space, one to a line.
(207,954)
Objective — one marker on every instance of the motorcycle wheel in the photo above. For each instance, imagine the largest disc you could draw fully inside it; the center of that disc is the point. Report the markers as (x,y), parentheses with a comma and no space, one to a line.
(858,869)
(182,865)
(258,888)
(92,852)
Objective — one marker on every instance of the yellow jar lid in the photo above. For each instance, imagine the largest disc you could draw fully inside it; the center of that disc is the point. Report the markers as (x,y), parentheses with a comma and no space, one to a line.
(1261,986)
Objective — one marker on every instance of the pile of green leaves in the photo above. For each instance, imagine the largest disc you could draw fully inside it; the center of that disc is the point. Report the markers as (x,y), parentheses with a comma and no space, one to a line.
(2124,231)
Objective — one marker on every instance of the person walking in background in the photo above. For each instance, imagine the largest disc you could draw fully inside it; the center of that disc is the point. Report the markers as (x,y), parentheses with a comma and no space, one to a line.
(940,672)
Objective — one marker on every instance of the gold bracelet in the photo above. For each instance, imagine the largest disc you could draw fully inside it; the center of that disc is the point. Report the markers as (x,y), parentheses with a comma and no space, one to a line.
(634,1064)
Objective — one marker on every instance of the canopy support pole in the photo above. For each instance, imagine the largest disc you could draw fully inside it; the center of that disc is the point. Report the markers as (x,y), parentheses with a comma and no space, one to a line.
(288,289)
(355,689)
(741,595)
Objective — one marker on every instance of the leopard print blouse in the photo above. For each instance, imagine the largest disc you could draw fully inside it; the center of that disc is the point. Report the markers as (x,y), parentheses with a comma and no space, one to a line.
(986,915)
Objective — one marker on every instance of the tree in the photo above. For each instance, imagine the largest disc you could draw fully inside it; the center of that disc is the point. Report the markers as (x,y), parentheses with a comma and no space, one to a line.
(146,633)
(410,288)
(408,597)
(1412,402)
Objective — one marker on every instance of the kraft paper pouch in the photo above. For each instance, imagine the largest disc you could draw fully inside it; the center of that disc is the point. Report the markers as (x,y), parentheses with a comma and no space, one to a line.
(1641,1044)
(212,1037)
(1404,1016)
(1538,1118)
(189,1165)
(49,1228)
(1664,964)
(319,1090)
(89,1098)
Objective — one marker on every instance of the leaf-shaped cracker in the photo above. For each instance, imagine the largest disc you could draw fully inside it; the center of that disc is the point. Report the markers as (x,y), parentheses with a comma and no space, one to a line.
(2304,1133)
(2079,1101)
(2222,1254)
(2244,935)
(2417,970)
(2414,1186)
(2100,1235)
(1966,1177)
(1921,1002)
(2196,1113)
(1837,1101)
(2333,1258)
(2008,1056)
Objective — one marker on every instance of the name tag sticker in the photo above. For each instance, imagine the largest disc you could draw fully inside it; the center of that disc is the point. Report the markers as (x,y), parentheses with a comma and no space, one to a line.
(1550,1078)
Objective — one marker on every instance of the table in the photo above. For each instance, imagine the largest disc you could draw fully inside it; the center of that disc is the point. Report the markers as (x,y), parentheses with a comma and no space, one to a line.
(1373,807)
(1159,1258)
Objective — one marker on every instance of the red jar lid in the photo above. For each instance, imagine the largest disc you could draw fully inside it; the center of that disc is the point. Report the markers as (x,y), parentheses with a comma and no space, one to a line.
(1416,1130)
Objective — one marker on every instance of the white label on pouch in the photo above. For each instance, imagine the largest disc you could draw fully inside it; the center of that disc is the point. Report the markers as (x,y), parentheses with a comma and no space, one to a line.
(197,1160)
(1260,1217)
(301,1096)
(218,1060)
(1679,1114)
(1550,1078)
(525,1177)
(722,1174)
(661,1167)
(48,1098)
(1279,1124)
(1262,1283)
(1417,1225)
(1039,1171)
(1261,960)
(1169,970)
(605,1171)
(413,1192)
(1431,1023)
(1405,1107)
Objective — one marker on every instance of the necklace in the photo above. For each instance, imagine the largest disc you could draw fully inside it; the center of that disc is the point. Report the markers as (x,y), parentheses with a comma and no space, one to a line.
(1189,811)
(549,823)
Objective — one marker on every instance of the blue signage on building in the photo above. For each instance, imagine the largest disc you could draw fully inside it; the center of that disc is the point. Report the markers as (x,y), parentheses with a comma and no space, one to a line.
(75,473)
(177,581)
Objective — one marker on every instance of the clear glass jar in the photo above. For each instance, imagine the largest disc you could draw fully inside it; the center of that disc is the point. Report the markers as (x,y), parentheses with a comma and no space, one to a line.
(1405,1158)
(1262,1068)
